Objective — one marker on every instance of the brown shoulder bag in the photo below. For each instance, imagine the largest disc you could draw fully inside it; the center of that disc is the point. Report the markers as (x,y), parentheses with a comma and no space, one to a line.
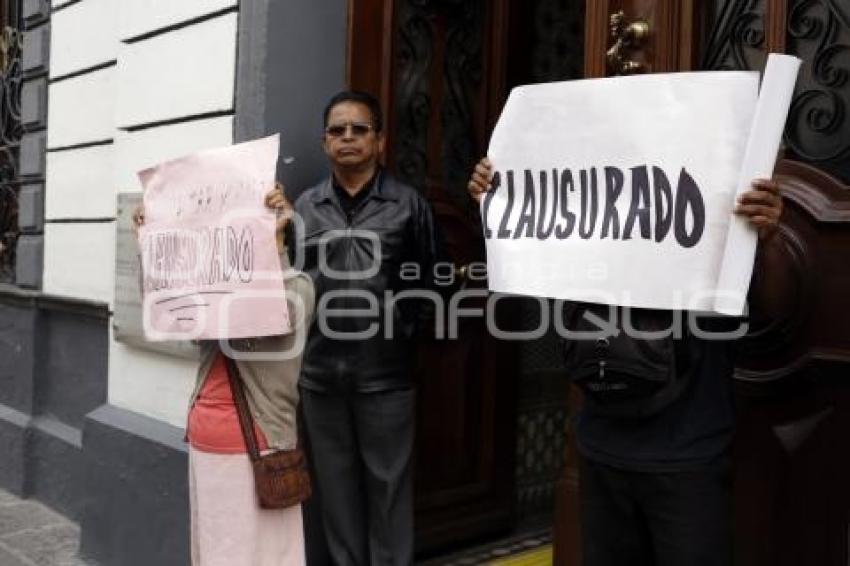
(281,478)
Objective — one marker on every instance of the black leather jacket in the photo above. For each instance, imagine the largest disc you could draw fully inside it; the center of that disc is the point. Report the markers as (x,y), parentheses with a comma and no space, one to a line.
(359,262)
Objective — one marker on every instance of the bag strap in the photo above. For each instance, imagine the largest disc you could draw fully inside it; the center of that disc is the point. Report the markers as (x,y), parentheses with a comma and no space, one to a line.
(246,423)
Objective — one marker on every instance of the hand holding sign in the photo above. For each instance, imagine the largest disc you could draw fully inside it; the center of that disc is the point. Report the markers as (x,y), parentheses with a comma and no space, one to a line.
(480,181)
(762,206)
(276,200)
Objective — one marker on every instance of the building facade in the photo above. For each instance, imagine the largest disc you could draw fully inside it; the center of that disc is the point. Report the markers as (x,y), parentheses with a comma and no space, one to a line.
(91,417)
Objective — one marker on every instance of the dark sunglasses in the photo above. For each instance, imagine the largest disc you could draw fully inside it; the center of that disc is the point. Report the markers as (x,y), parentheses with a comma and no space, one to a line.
(358,129)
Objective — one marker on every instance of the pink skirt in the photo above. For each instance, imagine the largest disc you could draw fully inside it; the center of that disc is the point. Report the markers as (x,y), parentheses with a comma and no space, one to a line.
(228,526)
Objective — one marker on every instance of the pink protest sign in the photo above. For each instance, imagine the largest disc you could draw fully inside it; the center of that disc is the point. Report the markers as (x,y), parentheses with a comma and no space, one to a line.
(210,264)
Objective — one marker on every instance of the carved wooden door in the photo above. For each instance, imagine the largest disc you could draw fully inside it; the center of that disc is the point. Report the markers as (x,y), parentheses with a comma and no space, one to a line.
(792,497)
(433,65)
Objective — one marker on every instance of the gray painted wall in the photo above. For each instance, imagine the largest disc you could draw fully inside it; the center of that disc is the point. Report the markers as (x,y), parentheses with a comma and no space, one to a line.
(53,372)
(292,56)
(138,508)
(17,361)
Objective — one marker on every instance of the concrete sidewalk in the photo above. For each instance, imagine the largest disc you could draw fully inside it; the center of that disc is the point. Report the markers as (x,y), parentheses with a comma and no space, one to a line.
(33,535)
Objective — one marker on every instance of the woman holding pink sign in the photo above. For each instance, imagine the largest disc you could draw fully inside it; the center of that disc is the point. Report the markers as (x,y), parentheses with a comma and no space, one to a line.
(244,405)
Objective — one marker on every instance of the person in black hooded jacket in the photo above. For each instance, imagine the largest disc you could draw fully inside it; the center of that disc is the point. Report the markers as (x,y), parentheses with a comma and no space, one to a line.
(657,490)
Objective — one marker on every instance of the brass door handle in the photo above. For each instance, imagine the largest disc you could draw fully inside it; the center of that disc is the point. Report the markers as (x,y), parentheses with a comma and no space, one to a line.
(628,37)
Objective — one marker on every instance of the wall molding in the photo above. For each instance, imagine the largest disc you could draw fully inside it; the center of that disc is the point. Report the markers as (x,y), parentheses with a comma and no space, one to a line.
(180,25)
(85,71)
(175,121)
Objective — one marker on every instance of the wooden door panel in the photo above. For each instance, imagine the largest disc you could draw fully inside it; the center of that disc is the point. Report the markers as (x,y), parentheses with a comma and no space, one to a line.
(436,67)
(812,293)
(792,498)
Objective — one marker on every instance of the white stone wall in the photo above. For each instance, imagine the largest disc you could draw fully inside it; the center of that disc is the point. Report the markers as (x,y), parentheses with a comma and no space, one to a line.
(186,72)
(133,83)
(72,49)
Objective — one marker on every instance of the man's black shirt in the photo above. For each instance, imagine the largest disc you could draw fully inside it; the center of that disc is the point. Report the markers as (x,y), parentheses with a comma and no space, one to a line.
(348,202)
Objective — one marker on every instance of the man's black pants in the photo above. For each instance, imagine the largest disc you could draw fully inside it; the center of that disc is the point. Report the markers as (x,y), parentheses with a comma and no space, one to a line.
(361,447)
(656,519)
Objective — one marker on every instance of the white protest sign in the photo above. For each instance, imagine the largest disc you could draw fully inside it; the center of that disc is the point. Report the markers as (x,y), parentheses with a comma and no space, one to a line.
(210,264)
(759,159)
(621,190)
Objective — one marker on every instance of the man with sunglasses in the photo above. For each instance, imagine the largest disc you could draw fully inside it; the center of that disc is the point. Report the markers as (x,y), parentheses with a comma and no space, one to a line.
(364,237)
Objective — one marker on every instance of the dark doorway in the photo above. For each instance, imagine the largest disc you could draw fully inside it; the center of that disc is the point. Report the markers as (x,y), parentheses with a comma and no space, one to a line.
(491,413)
